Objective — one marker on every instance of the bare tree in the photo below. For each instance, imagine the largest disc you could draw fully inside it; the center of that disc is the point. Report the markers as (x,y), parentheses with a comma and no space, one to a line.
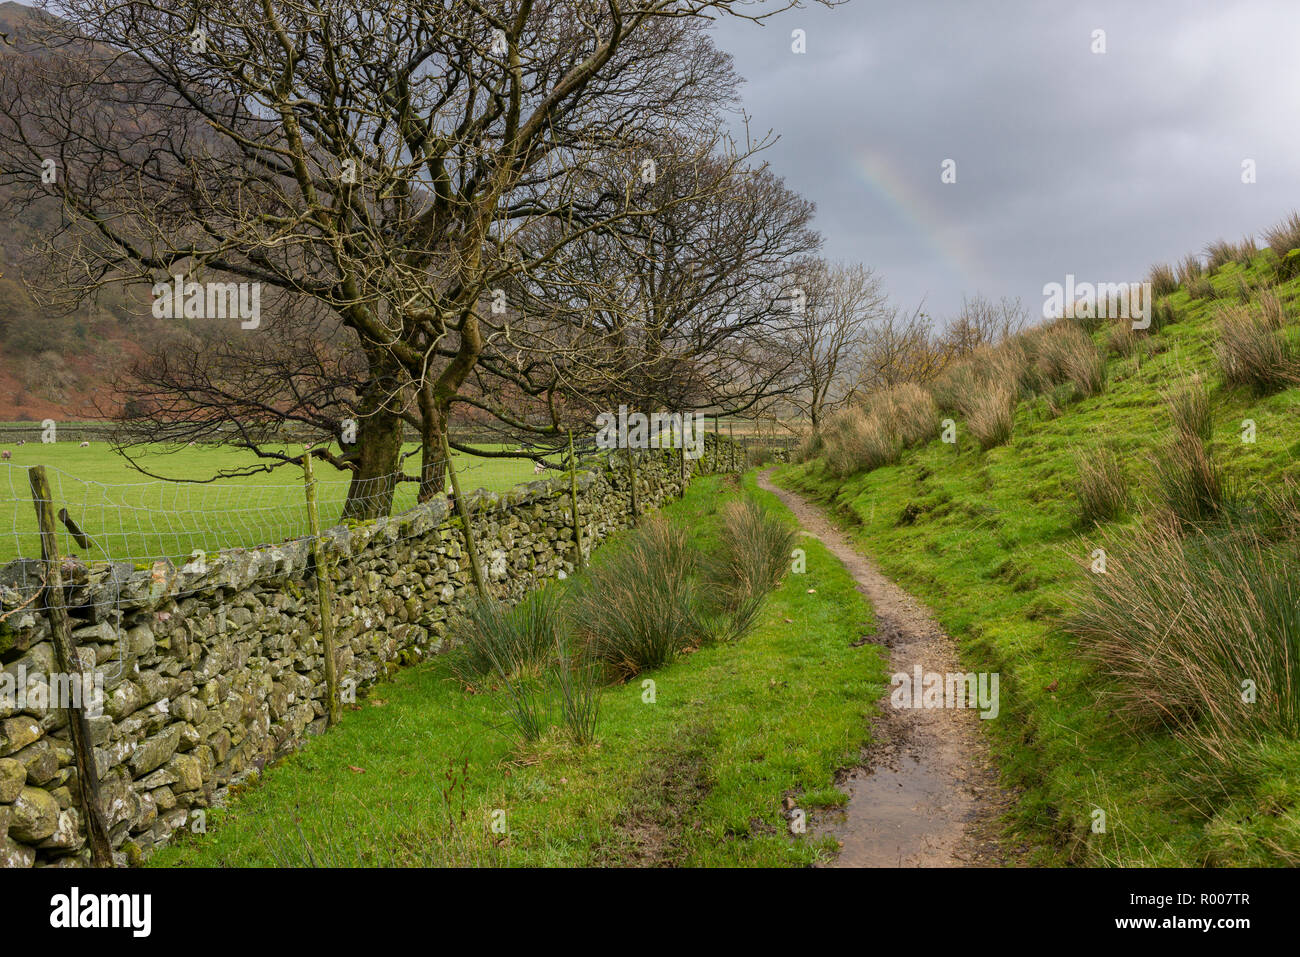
(834,308)
(899,347)
(983,322)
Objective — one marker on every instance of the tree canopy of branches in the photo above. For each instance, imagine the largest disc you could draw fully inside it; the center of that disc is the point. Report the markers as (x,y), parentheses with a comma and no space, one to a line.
(680,309)
(983,322)
(380,167)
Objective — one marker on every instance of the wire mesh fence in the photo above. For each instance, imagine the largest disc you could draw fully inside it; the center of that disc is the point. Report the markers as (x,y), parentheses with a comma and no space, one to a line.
(122,516)
(145,519)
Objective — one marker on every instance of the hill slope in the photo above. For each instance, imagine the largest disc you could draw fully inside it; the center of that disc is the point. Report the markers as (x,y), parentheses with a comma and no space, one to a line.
(993,541)
(56,364)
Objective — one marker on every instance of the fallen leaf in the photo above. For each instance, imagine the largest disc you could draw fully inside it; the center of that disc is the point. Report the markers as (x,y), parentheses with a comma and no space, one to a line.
(1053,685)
(355,769)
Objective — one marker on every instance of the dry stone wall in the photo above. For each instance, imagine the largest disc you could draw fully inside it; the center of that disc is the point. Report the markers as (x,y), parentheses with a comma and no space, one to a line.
(213,669)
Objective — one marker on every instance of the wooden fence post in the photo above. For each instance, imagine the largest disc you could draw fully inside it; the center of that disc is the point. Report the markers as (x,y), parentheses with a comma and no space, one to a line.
(631,478)
(83,753)
(471,550)
(580,562)
(324,596)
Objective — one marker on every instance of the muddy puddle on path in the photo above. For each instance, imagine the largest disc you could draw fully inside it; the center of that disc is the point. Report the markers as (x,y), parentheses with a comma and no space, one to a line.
(890,815)
(926,793)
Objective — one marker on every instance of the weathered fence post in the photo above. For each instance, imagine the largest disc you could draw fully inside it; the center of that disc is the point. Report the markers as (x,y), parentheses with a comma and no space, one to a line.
(731,444)
(471,550)
(324,596)
(631,478)
(51,601)
(579,563)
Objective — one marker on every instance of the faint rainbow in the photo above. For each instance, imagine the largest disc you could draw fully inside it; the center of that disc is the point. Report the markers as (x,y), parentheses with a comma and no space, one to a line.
(918,212)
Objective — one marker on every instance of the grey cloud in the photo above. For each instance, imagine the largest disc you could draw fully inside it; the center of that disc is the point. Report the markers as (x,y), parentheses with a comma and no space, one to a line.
(1067,161)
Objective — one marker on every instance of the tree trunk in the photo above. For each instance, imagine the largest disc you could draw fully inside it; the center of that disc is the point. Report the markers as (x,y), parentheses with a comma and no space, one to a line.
(379,441)
(433,465)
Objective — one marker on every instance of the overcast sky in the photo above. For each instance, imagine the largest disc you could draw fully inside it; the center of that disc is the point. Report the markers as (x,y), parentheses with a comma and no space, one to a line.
(1067,161)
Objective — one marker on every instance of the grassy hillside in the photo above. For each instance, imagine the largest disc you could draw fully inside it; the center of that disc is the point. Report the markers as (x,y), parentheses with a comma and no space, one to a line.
(1106,703)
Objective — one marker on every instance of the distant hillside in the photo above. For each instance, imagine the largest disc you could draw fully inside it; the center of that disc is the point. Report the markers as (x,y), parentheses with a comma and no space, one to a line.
(57,365)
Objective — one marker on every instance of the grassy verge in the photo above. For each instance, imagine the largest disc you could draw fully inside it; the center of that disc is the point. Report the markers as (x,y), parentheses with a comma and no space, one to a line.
(419,773)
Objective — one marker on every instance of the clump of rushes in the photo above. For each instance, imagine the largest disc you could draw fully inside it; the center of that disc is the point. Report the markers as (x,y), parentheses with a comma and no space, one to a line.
(1200,287)
(809,447)
(914,414)
(526,703)
(578,683)
(955,390)
(493,639)
(1189,408)
(1178,623)
(1190,268)
(858,440)
(993,416)
(1188,478)
(757,546)
(1067,354)
(1244,290)
(1285,236)
(1253,353)
(1271,309)
(638,610)
(874,433)
(1245,251)
(1102,487)
(1223,252)
(1217,254)
(1122,339)
(1162,279)
(755,555)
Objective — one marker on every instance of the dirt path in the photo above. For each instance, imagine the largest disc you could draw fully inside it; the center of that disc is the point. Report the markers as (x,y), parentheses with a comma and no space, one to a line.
(927,794)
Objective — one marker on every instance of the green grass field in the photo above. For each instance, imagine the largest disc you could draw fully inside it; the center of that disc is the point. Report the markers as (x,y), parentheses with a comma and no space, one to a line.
(991,540)
(131,517)
(417,773)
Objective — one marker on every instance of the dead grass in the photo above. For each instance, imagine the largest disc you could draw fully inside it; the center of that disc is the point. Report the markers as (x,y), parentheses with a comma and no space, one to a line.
(875,432)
